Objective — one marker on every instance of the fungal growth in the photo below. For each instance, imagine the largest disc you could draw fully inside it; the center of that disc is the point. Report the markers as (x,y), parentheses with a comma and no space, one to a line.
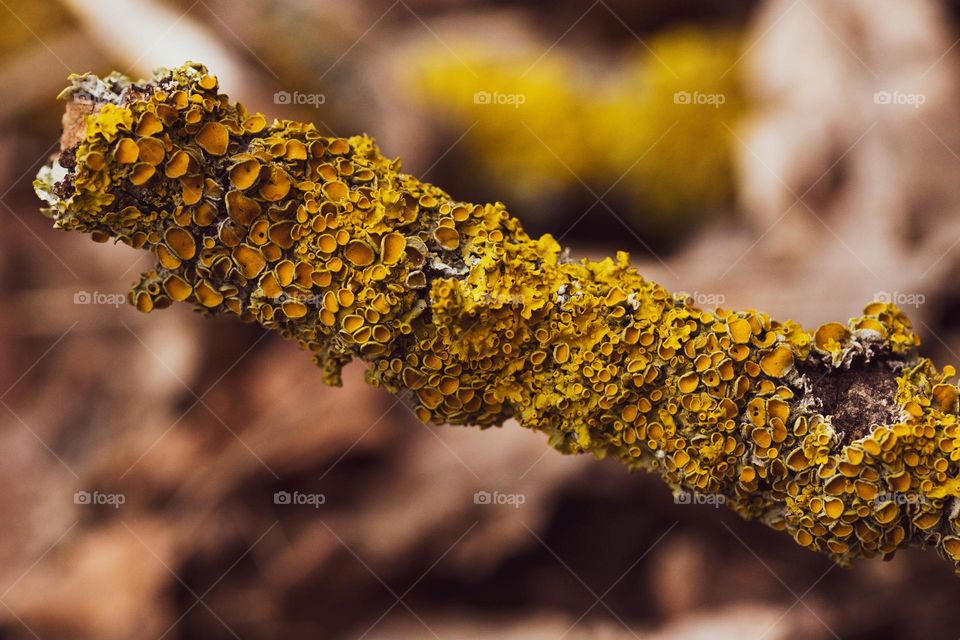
(844,438)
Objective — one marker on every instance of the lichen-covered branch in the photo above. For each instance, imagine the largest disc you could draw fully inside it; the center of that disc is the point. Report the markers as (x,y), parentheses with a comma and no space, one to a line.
(844,438)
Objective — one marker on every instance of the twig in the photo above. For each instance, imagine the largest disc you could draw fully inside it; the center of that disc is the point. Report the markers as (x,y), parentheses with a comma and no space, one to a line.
(843,437)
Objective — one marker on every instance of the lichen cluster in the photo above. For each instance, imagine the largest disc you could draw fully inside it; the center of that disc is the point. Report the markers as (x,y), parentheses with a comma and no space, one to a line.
(559,120)
(326,241)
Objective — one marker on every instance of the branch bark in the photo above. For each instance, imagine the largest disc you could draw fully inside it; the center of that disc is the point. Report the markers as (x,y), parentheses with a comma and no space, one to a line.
(844,437)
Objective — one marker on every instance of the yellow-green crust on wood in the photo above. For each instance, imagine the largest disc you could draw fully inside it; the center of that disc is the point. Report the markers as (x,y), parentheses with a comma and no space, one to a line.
(843,437)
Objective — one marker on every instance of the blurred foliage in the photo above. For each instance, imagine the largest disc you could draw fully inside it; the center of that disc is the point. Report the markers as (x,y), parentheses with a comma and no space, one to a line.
(541,124)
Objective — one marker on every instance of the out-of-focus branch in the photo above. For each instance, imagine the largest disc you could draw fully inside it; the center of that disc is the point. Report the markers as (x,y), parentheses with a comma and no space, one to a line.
(146,35)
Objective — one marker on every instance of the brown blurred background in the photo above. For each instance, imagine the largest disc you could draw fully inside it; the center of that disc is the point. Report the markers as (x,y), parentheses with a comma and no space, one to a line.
(168,476)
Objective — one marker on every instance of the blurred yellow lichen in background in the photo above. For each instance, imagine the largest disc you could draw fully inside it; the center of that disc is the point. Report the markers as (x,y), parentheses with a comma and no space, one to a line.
(656,121)
(844,438)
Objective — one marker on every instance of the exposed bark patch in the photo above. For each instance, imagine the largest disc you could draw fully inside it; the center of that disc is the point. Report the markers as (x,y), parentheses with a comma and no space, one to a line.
(855,399)
(74,121)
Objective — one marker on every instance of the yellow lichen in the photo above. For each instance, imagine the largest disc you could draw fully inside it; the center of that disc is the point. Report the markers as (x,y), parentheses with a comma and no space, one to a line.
(213,138)
(553,121)
(328,242)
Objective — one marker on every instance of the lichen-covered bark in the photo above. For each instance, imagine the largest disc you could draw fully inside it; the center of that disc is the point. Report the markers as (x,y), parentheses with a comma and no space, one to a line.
(843,437)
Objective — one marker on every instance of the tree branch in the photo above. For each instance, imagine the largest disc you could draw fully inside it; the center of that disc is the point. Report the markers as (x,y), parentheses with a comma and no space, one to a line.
(844,437)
